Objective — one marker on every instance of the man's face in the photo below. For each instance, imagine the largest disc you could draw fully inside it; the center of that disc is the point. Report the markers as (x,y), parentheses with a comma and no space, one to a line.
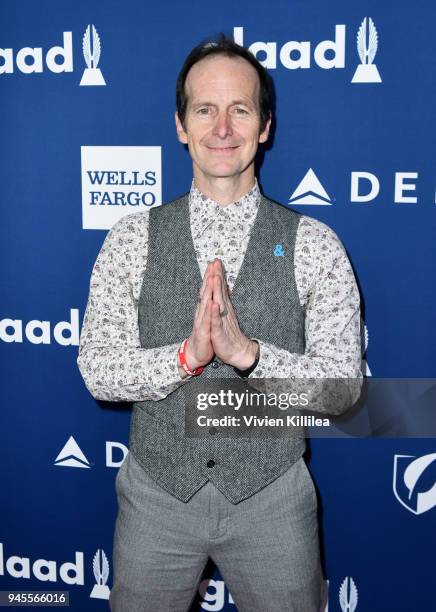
(222,117)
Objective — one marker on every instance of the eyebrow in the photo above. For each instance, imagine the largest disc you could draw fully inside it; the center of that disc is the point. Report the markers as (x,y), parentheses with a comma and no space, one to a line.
(232,103)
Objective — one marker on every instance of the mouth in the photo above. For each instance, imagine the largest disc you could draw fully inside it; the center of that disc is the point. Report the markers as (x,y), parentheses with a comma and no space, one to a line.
(222,150)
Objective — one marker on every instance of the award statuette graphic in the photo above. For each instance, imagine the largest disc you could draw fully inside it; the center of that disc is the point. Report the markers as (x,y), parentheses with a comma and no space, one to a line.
(366,71)
(91,52)
(365,367)
(348,595)
(101,573)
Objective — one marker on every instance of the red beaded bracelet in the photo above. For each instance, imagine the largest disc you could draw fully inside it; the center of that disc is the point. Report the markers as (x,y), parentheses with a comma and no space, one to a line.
(182,361)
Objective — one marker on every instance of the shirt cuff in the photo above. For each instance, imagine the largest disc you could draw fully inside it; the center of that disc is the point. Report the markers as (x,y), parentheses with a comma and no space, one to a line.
(170,370)
(265,358)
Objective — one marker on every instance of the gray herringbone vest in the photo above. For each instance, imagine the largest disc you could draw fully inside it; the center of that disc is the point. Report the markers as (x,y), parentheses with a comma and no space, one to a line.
(266,301)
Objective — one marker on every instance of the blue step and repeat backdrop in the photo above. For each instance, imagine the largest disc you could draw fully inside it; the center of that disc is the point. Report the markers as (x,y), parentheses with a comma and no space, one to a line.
(87,97)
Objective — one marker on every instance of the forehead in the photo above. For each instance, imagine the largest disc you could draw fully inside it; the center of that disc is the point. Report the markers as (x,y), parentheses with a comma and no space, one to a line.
(220,75)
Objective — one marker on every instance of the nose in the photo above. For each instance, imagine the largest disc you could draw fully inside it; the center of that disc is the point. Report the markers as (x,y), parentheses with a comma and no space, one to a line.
(223,125)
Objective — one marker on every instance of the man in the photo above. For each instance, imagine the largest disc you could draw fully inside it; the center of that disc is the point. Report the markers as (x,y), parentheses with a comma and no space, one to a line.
(194,291)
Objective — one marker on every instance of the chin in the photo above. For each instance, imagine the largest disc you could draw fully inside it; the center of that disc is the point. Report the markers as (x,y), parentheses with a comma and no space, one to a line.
(225,167)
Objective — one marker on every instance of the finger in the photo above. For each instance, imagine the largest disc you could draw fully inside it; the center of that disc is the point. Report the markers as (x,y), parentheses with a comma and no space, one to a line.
(207,315)
(206,297)
(221,271)
(209,270)
(205,322)
(219,267)
(216,319)
(225,293)
(217,292)
(205,277)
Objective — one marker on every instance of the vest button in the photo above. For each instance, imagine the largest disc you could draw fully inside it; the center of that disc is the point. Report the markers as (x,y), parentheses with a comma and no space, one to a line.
(210,463)
(213,430)
(215,364)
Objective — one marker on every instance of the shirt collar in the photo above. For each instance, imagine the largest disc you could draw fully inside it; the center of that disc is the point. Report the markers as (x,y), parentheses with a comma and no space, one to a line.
(204,210)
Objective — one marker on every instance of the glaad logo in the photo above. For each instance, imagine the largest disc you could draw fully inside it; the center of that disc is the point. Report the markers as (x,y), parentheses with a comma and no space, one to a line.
(327,54)
(100,566)
(91,52)
(310,191)
(72,456)
(295,54)
(58,58)
(43,569)
(215,601)
(367,43)
(28,60)
(408,472)
(348,595)
(44,332)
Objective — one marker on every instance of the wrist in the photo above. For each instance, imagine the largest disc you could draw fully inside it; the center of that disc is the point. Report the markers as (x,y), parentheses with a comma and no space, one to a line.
(249,356)
(186,362)
(192,362)
(182,372)
(245,373)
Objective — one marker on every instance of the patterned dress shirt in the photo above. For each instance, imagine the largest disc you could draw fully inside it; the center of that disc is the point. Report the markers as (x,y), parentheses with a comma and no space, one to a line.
(116,368)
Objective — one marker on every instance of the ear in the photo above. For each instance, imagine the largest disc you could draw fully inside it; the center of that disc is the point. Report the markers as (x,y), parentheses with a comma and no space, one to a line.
(181,134)
(263,137)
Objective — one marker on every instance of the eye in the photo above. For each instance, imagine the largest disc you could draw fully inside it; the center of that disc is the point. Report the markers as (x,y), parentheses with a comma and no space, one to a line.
(241,111)
(203,111)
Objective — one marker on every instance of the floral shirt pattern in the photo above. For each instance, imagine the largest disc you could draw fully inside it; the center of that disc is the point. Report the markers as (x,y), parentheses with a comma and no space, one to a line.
(116,368)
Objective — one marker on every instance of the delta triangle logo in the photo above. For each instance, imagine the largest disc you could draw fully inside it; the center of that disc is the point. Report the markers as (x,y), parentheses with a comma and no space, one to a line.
(72,456)
(310,191)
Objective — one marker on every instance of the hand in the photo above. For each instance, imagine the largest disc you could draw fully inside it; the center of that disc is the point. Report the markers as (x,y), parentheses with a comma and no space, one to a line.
(230,344)
(199,349)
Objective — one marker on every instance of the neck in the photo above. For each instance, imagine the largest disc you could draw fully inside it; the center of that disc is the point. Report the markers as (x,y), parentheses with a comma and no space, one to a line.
(224,190)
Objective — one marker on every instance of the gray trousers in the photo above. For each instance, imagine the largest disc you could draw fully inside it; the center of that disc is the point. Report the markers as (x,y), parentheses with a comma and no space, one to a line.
(265,547)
